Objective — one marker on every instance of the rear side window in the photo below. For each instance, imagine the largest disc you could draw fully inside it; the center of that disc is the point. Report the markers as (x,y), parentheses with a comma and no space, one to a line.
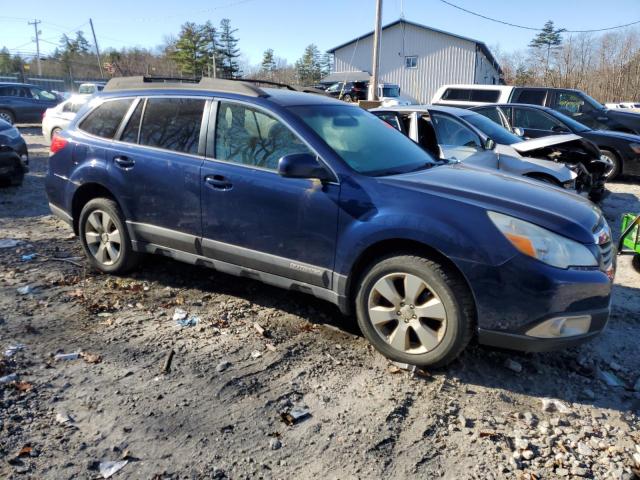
(532,97)
(491,113)
(172,124)
(466,94)
(105,119)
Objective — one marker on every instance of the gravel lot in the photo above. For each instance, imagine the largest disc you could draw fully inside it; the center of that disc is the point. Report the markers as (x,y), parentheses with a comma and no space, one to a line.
(217,412)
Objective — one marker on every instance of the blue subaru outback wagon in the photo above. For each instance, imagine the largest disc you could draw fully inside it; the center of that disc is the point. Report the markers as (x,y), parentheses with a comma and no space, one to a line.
(315,195)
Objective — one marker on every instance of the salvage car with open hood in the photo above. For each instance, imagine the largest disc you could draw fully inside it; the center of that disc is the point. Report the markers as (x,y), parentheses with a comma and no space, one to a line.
(456,134)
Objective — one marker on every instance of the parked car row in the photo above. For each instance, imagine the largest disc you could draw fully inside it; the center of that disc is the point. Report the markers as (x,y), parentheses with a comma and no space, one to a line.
(315,195)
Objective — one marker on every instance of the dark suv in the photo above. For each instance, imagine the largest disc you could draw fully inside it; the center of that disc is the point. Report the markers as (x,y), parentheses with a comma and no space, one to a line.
(349,92)
(314,195)
(24,103)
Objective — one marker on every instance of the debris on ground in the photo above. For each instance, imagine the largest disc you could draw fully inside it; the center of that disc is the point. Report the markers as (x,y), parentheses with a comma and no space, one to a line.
(166,367)
(60,357)
(256,354)
(9,243)
(63,418)
(107,469)
(609,378)
(554,405)
(222,366)
(513,365)
(28,257)
(188,322)
(13,349)
(12,377)
(91,357)
(295,415)
(27,289)
(259,329)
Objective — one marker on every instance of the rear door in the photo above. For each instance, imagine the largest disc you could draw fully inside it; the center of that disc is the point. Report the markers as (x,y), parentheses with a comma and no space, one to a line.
(252,216)
(459,142)
(156,168)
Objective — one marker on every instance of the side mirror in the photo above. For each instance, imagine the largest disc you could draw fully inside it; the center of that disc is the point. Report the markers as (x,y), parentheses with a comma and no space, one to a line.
(302,165)
(489,144)
(519,131)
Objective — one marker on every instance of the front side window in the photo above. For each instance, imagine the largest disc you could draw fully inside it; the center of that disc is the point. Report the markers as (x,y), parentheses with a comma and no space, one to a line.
(104,120)
(249,136)
(451,132)
(362,141)
(172,124)
(491,129)
(535,120)
(572,103)
(42,94)
(336,87)
(411,62)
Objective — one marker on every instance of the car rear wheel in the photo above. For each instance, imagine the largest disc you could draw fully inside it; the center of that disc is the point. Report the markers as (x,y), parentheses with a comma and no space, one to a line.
(415,311)
(7,116)
(104,237)
(615,165)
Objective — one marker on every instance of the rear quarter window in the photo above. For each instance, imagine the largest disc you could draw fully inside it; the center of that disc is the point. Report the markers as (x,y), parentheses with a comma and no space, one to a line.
(104,120)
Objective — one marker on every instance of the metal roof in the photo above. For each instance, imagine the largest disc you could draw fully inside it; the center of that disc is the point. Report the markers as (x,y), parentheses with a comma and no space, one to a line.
(480,44)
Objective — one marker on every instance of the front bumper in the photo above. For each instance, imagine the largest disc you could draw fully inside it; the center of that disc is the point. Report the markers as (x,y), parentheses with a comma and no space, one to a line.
(515,297)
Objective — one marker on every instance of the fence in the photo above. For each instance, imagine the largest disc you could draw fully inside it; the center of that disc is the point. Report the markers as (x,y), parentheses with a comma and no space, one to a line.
(48,82)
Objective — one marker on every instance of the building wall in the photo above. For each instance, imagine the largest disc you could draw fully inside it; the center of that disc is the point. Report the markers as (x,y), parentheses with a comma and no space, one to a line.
(441,59)
(486,72)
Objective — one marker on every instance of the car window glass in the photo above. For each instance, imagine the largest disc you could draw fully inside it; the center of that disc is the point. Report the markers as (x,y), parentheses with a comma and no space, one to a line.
(486,96)
(491,113)
(534,119)
(456,94)
(130,132)
(72,107)
(451,132)
(533,97)
(569,102)
(251,137)
(390,118)
(104,120)
(172,124)
(41,94)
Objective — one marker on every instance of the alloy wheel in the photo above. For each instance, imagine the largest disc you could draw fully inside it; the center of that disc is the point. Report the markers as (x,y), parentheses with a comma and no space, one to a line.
(6,117)
(103,237)
(406,313)
(611,163)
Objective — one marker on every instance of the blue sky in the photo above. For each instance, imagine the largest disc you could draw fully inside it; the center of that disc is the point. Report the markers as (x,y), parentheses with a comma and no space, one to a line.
(288,26)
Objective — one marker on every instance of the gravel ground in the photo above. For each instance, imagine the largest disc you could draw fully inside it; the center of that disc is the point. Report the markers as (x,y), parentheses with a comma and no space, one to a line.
(218,410)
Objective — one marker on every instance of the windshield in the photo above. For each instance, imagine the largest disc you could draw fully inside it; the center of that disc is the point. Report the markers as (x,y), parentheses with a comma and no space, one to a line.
(570,122)
(390,91)
(366,143)
(491,129)
(87,89)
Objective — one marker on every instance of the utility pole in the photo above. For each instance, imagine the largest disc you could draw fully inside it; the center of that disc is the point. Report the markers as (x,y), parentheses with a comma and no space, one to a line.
(35,26)
(373,84)
(95,41)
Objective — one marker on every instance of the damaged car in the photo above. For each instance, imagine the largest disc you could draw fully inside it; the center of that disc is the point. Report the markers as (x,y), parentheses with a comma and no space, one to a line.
(14,156)
(459,135)
(620,151)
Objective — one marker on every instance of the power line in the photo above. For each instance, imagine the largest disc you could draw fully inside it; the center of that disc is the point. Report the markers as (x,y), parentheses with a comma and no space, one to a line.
(534,28)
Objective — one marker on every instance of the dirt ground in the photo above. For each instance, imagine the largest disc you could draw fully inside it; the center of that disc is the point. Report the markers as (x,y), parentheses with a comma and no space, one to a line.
(217,412)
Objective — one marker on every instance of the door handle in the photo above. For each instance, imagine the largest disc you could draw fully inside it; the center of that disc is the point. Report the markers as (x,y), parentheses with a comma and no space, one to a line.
(218,182)
(124,162)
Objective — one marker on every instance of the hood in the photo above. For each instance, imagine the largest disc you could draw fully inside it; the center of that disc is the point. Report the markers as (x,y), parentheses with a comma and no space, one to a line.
(630,137)
(543,142)
(629,120)
(555,209)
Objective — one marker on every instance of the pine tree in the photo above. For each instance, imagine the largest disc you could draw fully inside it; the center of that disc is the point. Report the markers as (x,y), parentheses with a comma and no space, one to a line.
(213,53)
(548,40)
(326,64)
(81,44)
(308,68)
(191,50)
(229,50)
(5,61)
(268,64)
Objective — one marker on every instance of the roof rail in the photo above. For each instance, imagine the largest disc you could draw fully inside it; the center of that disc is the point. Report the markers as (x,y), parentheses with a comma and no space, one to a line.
(284,85)
(205,83)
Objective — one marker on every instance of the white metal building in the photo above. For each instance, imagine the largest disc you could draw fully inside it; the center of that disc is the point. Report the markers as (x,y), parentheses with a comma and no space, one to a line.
(418,58)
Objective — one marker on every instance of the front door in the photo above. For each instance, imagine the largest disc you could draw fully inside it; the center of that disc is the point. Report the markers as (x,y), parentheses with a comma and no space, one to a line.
(252,216)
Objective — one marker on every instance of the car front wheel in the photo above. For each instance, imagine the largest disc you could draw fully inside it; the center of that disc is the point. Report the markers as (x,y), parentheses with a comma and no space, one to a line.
(414,310)
(104,237)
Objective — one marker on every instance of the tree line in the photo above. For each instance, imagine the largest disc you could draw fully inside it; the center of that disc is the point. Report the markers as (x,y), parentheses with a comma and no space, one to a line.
(605,66)
(198,50)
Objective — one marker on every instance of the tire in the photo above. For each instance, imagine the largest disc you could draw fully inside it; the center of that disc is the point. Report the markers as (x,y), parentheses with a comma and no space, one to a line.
(7,116)
(617,165)
(95,215)
(444,297)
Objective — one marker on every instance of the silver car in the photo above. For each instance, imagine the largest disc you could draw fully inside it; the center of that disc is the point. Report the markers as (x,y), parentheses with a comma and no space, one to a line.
(457,134)
(58,118)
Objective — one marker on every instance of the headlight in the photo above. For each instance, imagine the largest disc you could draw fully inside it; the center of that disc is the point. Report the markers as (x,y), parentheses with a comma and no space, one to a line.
(540,243)
(635,147)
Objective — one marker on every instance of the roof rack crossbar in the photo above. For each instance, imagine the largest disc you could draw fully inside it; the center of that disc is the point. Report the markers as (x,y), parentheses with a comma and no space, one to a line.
(205,83)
